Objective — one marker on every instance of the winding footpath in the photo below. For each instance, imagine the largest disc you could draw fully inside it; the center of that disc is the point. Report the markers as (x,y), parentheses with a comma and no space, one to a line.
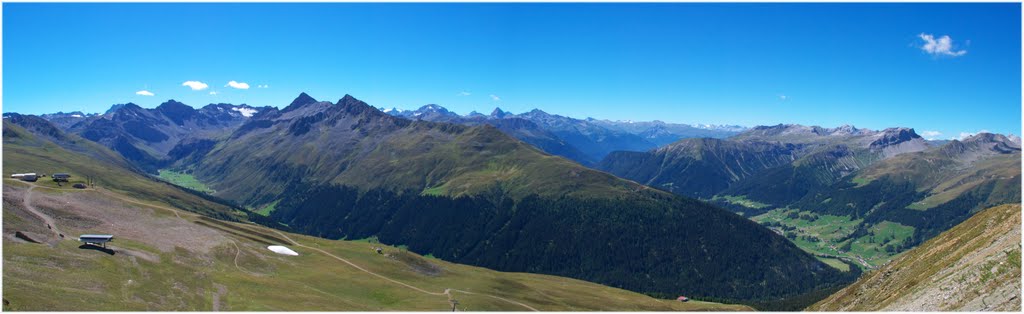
(50,223)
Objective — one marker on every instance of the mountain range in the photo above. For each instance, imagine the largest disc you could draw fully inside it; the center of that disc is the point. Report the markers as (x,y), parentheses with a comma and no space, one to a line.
(466,193)
(585,141)
(513,192)
(181,250)
(869,180)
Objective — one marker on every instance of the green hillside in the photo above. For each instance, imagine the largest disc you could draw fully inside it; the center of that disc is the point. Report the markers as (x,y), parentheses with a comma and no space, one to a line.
(347,170)
(166,259)
(974,266)
(25,151)
(858,195)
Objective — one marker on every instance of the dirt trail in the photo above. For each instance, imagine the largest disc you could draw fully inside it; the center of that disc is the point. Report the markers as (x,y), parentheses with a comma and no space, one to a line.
(446,293)
(220,291)
(50,224)
(238,251)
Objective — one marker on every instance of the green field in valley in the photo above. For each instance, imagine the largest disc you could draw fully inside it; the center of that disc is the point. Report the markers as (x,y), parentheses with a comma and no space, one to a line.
(740,200)
(825,235)
(269,208)
(184,180)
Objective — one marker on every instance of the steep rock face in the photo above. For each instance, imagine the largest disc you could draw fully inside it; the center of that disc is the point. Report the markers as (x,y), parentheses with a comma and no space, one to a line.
(974,266)
(894,141)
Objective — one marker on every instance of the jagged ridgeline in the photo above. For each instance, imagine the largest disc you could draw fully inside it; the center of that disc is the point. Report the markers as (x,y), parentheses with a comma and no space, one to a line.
(475,195)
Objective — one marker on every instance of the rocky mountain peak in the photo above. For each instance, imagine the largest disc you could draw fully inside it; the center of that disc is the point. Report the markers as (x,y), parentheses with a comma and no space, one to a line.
(846,129)
(176,111)
(996,142)
(115,107)
(432,107)
(302,100)
(893,136)
(498,113)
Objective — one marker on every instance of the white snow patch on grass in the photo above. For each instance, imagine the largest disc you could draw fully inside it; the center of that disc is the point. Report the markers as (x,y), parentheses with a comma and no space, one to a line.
(282,250)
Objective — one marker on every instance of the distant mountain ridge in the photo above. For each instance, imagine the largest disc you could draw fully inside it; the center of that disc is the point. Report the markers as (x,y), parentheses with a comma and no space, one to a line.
(586,141)
(147,136)
(829,153)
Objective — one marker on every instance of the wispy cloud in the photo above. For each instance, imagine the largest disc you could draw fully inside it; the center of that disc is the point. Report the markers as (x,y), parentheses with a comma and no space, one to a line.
(783,97)
(195,85)
(144,93)
(213,92)
(965,135)
(942,46)
(495,97)
(465,93)
(263,86)
(238,85)
(930,135)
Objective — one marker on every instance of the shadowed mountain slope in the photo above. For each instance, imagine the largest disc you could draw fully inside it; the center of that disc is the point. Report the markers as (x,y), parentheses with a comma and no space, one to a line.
(478,196)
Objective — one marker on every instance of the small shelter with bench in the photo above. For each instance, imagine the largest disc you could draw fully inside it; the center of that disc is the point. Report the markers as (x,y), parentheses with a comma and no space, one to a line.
(61,177)
(96,239)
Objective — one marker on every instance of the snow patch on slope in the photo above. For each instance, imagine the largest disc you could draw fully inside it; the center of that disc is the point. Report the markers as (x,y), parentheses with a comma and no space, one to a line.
(282,250)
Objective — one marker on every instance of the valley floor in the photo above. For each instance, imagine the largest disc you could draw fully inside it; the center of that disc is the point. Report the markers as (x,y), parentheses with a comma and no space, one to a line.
(166,259)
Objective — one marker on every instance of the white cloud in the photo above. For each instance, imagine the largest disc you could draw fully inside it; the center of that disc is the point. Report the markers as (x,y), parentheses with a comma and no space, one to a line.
(263,86)
(495,97)
(942,46)
(238,85)
(195,85)
(214,93)
(144,93)
(247,112)
(930,135)
(783,97)
(965,135)
(464,93)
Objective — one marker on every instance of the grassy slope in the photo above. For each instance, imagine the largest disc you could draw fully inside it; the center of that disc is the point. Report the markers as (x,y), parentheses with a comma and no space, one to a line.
(167,259)
(26,152)
(143,276)
(362,147)
(973,266)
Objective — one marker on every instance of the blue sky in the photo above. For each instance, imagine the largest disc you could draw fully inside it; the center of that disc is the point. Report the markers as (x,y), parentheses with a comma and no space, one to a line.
(946,68)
